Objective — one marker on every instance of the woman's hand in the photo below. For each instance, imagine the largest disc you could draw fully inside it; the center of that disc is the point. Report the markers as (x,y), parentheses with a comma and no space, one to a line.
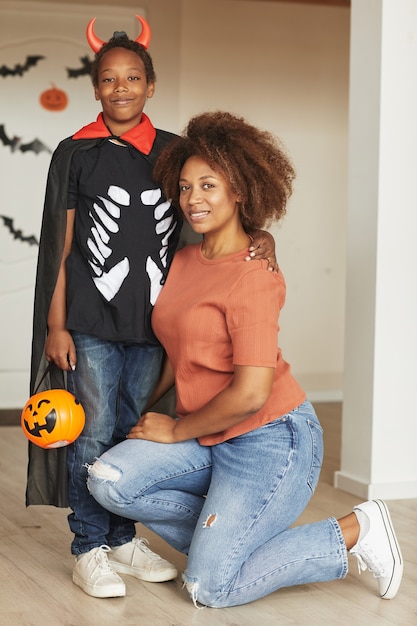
(263,247)
(157,427)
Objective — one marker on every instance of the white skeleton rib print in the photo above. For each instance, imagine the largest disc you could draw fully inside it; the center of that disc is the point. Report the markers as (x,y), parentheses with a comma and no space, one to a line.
(105,223)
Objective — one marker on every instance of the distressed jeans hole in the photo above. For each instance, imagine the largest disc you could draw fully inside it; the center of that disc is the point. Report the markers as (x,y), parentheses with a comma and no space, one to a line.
(104,471)
(211,519)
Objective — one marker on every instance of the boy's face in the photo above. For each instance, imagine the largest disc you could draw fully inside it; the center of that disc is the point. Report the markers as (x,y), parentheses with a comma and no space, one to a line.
(122,89)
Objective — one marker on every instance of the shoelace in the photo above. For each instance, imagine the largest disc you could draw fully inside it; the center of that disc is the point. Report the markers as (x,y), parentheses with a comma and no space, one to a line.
(101,560)
(367,561)
(142,544)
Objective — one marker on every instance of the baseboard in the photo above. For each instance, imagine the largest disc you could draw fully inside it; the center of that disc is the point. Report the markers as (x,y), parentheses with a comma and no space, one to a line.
(10,417)
(325,395)
(324,387)
(368,491)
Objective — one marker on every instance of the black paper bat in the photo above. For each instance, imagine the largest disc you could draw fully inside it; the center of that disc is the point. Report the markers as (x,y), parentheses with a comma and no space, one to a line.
(84,70)
(17,234)
(15,143)
(19,70)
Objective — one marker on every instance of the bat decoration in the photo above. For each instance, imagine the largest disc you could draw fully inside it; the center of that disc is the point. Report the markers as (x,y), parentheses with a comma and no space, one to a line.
(15,143)
(19,70)
(84,70)
(17,234)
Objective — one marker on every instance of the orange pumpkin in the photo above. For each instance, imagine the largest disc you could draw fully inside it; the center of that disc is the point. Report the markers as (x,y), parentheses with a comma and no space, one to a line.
(53,99)
(52,419)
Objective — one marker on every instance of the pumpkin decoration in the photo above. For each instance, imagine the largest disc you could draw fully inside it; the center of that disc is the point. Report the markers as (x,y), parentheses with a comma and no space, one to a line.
(53,99)
(53,418)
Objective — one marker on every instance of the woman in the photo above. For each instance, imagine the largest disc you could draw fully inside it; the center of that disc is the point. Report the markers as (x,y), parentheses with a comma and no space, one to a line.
(225,481)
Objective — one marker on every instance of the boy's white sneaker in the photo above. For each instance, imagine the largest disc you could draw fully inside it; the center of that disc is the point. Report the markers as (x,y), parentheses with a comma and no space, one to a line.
(136,559)
(94,575)
(377,548)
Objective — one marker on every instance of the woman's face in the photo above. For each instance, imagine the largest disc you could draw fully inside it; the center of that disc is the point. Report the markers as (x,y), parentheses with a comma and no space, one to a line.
(206,198)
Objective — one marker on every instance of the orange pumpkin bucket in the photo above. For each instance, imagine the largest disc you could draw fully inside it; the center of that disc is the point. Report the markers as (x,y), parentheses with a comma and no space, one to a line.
(53,418)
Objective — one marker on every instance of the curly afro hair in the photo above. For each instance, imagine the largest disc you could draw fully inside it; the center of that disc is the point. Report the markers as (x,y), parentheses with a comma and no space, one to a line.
(121,40)
(252,160)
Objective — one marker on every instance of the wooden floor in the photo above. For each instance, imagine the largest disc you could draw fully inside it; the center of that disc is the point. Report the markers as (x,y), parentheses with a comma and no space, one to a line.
(36,566)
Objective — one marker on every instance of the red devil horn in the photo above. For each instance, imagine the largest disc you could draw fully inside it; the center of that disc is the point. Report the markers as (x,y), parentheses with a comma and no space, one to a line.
(145,36)
(93,41)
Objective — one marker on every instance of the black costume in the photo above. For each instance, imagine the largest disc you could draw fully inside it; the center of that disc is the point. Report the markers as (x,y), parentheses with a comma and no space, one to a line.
(47,472)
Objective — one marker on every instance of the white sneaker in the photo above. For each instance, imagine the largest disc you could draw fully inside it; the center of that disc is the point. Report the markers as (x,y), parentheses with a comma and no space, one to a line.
(94,575)
(136,559)
(377,548)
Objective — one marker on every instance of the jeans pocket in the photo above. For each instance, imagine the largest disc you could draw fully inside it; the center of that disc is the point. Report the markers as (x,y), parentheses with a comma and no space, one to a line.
(316,434)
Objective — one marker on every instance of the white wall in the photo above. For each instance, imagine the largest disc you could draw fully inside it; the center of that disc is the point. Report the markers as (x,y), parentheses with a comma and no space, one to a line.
(284,66)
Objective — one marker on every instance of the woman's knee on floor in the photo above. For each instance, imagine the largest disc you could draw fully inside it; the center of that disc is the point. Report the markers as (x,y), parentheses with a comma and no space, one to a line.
(206,591)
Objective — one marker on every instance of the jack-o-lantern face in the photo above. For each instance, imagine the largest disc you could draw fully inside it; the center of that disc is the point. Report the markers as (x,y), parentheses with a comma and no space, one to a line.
(52,419)
(54,99)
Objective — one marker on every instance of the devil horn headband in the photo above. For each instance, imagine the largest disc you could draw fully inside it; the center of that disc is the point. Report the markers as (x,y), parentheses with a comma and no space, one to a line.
(95,43)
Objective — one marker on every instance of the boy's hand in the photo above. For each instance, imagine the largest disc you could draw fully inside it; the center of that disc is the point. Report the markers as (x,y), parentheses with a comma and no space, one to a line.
(263,247)
(60,349)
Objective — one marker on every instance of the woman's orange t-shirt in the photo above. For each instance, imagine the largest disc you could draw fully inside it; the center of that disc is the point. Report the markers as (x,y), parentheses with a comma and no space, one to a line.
(214,314)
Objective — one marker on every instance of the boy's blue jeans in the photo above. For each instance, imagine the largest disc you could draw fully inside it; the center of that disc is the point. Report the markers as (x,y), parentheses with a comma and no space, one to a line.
(238,538)
(113,381)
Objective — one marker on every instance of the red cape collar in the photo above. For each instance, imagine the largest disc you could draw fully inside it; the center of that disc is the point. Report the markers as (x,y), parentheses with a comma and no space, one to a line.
(140,136)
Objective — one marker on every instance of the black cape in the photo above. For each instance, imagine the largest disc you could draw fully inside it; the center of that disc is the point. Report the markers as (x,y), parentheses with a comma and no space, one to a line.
(47,469)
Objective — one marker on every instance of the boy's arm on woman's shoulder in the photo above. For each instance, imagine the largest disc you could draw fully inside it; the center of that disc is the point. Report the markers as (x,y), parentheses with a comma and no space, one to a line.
(263,247)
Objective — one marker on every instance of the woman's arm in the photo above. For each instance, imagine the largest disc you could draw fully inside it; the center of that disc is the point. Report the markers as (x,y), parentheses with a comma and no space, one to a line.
(263,247)
(59,346)
(247,393)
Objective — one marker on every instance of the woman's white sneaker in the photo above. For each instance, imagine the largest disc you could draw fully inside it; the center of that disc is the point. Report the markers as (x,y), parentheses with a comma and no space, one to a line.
(94,575)
(377,548)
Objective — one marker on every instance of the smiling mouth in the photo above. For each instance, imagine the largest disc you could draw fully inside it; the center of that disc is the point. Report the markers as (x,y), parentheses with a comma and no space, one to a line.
(121,101)
(197,215)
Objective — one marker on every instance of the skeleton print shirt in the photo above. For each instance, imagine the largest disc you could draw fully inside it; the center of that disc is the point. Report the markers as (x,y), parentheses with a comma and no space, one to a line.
(124,240)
